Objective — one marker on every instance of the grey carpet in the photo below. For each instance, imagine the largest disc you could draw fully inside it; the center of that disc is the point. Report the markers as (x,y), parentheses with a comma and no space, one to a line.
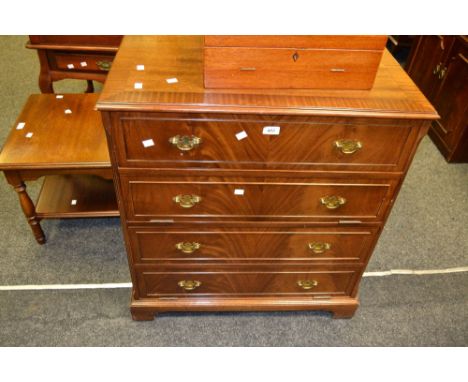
(427,229)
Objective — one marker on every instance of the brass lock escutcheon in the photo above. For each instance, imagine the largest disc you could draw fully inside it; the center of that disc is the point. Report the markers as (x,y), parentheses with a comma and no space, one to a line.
(348,146)
(104,65)
(189,284)
(187,201)
(319,247)
(307,284)
(332,202)
(185,142)
(188,247)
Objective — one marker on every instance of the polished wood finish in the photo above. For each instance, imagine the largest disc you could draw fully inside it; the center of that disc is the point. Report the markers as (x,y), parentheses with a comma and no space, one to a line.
(393,95)
(290,68)
(276,198)
(159,245)
(303,142)
(439,66)
(57,52)
(351,42)
(292,62)
(246,210)
(71,148)
(76,196)
(59,140)
(251,282)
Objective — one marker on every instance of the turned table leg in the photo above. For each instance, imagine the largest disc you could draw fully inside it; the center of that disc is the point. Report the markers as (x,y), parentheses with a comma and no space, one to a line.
(90,87)
(45,79)
(29,210)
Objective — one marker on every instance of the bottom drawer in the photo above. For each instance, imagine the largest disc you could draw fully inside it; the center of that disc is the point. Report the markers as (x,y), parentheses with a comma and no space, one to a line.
(249,282)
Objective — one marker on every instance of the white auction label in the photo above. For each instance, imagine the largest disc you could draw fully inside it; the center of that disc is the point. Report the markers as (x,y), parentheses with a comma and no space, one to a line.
(140,67)
(241,135)
(84,64)
(138,85)
(73,202)
(239,191)
(70,66)
(148,143)
(20,125)
(59,96)
(172,80)
(68,111)
(271,130)
(29,135)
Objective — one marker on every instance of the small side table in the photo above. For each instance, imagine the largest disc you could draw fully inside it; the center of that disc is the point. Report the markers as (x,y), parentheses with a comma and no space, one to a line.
(62,138)
(74,57)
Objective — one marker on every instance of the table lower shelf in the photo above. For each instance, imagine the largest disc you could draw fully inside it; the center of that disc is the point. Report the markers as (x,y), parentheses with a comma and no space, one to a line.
(76,196)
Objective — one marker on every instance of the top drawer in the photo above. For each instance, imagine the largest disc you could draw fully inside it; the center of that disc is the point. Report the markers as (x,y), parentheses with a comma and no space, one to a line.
(161,141)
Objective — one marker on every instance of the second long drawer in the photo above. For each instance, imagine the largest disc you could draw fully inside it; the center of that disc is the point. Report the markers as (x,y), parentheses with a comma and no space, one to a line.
(149,198)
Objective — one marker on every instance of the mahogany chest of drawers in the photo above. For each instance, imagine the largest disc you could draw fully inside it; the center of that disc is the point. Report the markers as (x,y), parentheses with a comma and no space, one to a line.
(251,199)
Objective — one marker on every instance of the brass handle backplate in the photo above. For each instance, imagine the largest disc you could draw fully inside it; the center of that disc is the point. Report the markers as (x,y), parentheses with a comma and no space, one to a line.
(104,65)
(185,142)
(307,284)
(189,284)
(348,146)
(318,247)
(187,247)
(187,201)
(332,202)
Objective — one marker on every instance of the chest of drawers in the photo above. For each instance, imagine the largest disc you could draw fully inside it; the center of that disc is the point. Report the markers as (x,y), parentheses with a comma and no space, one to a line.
(251,199)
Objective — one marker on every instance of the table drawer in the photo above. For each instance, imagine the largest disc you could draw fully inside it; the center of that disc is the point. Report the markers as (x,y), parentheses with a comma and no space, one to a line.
(187,142)
(259,68)
(151,245)
(251,282)
(81,62)
(203,197)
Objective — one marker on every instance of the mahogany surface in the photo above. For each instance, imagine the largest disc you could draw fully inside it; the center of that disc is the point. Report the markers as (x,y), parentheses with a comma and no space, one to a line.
(253,249)
(439,66)
(71,148)
(85,53)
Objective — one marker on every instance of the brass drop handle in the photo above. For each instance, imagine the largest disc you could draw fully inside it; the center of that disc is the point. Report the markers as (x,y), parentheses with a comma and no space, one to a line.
(185,142)
(442,72)
(187,247)
(437,69)
(187,201)
(348,146)
(319,247)
(332,202)
(307,284)
(189,284)
(104,65)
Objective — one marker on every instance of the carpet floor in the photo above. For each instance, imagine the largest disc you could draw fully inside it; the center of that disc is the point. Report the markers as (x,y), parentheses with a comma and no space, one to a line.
(427,229)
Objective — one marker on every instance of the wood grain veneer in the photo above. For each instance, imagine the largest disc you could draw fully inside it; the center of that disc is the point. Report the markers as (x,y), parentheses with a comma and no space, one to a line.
(254,244)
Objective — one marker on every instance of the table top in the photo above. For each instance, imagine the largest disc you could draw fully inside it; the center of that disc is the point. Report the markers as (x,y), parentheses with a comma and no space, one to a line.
(54,138)
(394,95)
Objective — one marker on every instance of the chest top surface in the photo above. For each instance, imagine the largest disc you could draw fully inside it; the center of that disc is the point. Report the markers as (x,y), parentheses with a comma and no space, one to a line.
(166,58)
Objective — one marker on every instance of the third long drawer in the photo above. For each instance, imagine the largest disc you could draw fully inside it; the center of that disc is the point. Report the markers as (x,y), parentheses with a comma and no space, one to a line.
(183,245)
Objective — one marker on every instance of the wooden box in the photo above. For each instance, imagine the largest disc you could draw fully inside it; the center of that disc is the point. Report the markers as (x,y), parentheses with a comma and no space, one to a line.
(292,62)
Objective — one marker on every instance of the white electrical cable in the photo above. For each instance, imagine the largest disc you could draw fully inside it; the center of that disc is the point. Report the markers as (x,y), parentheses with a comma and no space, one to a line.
(129,285)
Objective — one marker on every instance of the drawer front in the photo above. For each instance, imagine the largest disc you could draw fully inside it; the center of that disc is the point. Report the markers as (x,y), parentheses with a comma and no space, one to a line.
(150,245)
(81,62)
(290,68)
(152,197)
(167,142)
(252,282)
